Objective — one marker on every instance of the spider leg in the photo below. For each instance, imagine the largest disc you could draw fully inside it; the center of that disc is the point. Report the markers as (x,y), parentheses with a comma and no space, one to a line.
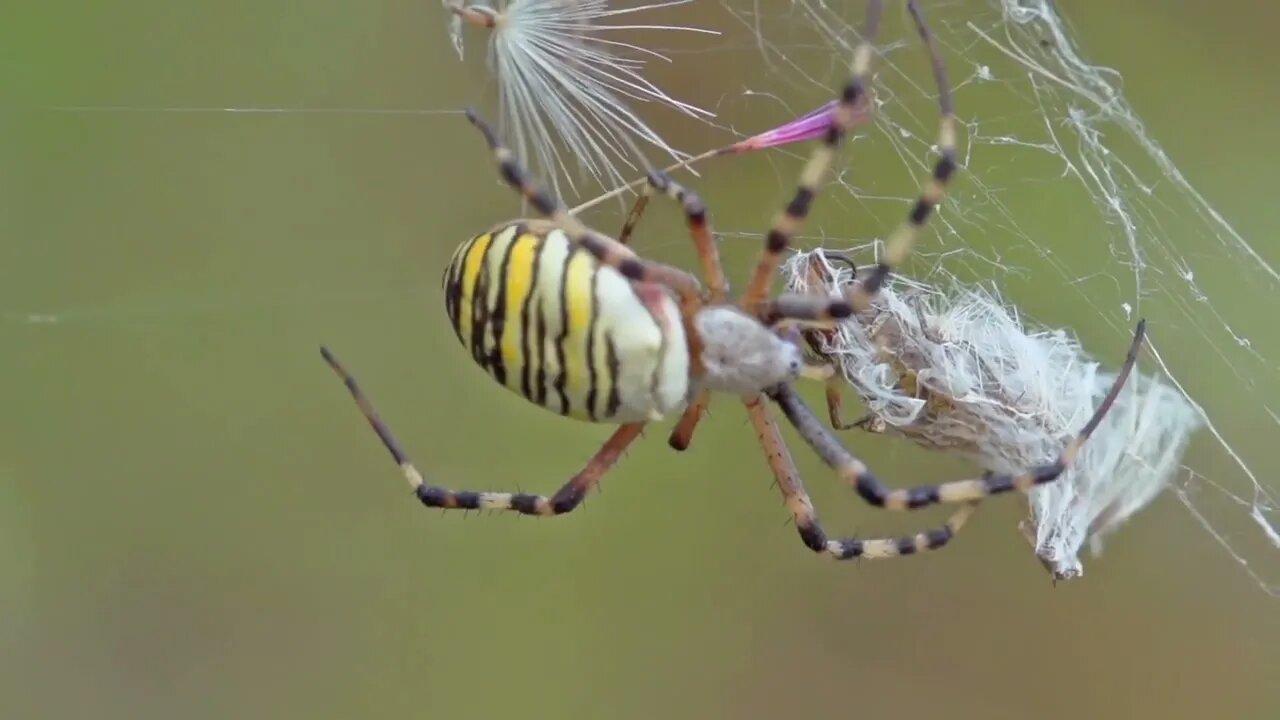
(568,497)
(605,249)
(806,518)
(788,222)
(695,213)
(633,217)
(856,473)
(708,255)
(835,403)
(815,311)
(934,189)
(819,276)
(682,435)
(811,310)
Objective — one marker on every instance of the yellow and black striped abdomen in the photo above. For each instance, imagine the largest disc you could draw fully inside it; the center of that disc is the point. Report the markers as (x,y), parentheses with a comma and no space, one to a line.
(549,322)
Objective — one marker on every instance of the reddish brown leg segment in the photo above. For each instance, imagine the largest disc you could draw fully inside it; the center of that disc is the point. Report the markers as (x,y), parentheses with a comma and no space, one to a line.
(806,518)
(568,497)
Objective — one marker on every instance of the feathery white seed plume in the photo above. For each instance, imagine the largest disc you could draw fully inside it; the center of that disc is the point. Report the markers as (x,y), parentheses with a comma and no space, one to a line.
(565,83)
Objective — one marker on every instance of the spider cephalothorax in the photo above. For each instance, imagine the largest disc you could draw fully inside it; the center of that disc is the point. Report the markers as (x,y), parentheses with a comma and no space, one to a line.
(742,355)
(578,323)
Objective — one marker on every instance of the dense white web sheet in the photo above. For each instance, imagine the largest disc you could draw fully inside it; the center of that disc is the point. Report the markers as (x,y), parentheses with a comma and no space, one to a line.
(1053,144)
(952,367)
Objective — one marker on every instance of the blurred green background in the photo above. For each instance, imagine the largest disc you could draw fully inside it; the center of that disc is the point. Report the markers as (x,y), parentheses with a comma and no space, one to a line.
(195,522)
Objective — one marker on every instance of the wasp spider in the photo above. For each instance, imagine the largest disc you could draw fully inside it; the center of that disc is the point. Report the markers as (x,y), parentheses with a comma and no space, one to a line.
(578,323)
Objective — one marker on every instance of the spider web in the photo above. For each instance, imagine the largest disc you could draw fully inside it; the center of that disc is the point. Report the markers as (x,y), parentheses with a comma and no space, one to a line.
(1054,146)
(1063,188)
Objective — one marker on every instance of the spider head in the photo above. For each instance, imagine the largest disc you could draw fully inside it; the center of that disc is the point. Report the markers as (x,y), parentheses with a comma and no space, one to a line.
(743,356)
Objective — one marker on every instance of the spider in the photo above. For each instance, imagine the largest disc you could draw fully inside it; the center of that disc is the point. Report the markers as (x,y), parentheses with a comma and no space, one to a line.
(578,323)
